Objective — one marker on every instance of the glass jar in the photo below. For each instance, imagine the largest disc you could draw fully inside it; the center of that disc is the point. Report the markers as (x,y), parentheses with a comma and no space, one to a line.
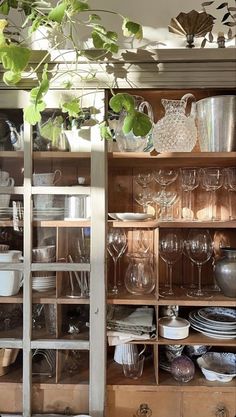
(182,368)
(139,276)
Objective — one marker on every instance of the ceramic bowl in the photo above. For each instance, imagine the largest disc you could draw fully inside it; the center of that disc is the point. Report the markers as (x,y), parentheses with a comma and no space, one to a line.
(173,327)
(218,366)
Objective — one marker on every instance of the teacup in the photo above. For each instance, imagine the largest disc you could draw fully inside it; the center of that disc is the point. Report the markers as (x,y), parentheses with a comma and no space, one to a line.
(6,180)
(46,179)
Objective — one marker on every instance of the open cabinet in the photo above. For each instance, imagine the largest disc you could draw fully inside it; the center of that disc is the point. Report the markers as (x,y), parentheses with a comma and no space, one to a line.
(54,311)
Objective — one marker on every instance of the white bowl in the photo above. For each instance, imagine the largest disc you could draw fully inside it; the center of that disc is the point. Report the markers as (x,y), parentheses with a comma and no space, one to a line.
(218,366)
(173,327)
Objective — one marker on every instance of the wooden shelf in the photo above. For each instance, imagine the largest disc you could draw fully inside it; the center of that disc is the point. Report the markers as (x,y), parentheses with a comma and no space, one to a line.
(177,224)
(197,338)
(131,299)
(62,223)
(13,299)
(12,154)
(177,159)
(61,155)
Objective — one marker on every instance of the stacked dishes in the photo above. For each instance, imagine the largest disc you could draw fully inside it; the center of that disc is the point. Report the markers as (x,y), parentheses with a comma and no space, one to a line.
(216,322)
(49,213)
(5,213)
(44,283)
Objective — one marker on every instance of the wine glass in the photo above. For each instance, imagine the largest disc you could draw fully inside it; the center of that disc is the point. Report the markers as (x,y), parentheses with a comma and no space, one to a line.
(189,181)
(199,247)
(212,180)
(170,250)
(165,199)
(116,245)
(230,185)
(143,179)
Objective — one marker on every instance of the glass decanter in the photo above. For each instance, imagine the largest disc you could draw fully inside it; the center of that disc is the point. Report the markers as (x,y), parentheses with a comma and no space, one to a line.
(176,131)
(139,276)
(128,142)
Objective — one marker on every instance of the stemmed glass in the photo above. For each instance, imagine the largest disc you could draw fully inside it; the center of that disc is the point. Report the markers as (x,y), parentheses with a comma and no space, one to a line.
(189,181)
(143,179)
(144,199)
(170,250)
(212,180)
(230,185)
(165,199)
(199,247)
(165,177)
(116,245)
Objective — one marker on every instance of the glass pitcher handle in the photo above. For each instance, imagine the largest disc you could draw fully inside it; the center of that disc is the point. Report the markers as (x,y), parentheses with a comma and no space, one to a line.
(185,98)
(147,105)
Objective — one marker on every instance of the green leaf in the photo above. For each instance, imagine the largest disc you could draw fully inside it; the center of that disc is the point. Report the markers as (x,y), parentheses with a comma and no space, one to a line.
(52,128)
(4,8)
(142,124)
(103,39)
(72,107)
(105,131)
(14,57)
(132,29)
(58,13)
(38,93)
(128,124)
(93,17)
(122,101)
(137,122)
(32,113)
(11,78)
(77,6)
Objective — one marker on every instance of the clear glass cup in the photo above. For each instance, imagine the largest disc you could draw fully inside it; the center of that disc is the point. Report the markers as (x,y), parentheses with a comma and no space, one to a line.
(212,180)
(189,181)
(134,369)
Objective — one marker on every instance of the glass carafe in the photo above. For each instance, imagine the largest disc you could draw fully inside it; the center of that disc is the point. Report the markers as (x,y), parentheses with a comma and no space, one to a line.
(139,276)
(176,131)
(128,142)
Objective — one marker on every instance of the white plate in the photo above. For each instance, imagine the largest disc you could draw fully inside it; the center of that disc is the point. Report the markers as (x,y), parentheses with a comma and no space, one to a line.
(133,216)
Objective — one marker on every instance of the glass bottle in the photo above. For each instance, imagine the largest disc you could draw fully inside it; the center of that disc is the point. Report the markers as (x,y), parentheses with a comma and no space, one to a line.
(139,276)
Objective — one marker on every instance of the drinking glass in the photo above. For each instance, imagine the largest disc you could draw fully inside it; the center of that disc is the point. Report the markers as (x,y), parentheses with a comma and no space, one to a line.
(212,180)
(189,181)
(230,185)
(166,200)
(144,199)
(165,176)
(116,245)
(170,250)
(144,179)
(199,247)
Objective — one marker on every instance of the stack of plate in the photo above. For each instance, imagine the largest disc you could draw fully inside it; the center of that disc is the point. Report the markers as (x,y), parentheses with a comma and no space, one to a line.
(43,283)
(131,216)
(52,213)
(216,322)
(5,213)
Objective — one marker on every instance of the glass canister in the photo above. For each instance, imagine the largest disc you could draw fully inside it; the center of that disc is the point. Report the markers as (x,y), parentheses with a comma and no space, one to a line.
(128,142)
(176,131)
(139,276)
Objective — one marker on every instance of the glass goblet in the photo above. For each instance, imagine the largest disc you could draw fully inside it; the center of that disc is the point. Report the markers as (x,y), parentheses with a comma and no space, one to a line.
(116,245)
(189,181)
(212,180)
(144,179)
(170,250)
(230,185)
(199,247)
(144,199)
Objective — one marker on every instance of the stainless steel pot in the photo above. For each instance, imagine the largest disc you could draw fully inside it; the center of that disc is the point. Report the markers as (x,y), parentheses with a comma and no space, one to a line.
(216,122)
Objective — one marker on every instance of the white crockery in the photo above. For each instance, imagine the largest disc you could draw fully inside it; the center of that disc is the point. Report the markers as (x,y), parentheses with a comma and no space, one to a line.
(47,178)
(173,327)
(218,366)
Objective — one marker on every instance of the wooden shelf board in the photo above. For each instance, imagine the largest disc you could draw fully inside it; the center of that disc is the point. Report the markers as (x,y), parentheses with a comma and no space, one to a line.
(13,299)
(197,338)
(61,155)
(45,297)
(68,300)
(12,154)
(61,223)
(131,299)
(180,224)
(171,158)
(180,298)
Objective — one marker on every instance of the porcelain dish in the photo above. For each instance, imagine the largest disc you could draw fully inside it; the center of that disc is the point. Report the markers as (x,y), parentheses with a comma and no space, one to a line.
(218,366)
(131,216)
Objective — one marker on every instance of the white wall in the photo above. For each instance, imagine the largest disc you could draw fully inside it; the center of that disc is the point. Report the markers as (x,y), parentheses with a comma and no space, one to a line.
(155,16)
